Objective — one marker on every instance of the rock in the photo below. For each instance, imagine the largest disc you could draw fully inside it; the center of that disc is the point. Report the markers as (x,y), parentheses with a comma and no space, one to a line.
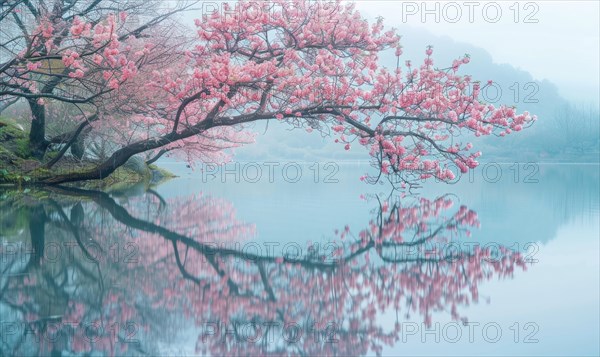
(137,165)
(157,176)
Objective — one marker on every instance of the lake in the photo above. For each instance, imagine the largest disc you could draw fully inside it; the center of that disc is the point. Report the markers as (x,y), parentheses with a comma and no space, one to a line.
(304,258)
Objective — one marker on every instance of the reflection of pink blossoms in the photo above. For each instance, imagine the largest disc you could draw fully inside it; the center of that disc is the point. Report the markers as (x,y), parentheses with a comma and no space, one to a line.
(189,266)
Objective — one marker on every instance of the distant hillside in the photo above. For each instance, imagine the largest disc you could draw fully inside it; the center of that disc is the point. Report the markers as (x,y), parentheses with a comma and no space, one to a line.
(564,131)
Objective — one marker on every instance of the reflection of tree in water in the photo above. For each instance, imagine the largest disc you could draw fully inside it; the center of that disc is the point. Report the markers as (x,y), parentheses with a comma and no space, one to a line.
(160,265)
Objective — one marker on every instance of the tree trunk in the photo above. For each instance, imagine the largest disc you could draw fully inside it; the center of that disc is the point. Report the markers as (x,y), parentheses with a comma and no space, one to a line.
(120,157)
(37,134)
(78,147)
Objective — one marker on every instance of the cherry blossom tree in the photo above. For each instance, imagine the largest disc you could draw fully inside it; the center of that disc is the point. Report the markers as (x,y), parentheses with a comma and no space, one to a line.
(312,64)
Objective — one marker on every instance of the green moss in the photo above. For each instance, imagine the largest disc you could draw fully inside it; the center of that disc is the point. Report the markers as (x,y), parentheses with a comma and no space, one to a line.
(121,179)
(41,172)
(7,158)
(9,130)
(50,155)
(13,139)
(125,175)
(22,148)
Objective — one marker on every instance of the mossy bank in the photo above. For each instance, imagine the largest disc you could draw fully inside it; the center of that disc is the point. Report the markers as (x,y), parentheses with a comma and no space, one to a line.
(19,168)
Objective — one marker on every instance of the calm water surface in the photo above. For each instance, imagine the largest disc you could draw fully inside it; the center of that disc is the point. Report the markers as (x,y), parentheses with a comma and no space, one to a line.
(505,262)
